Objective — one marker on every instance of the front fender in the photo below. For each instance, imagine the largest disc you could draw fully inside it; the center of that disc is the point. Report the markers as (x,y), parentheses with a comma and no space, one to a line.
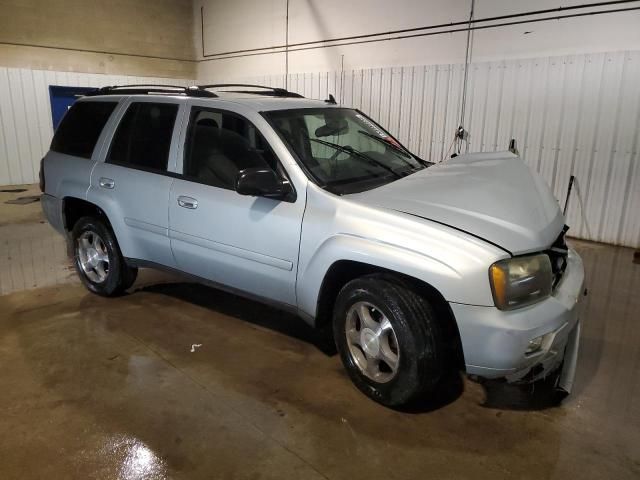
(456,282)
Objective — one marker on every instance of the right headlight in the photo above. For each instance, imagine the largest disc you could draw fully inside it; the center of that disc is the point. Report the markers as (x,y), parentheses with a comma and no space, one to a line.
(520,281)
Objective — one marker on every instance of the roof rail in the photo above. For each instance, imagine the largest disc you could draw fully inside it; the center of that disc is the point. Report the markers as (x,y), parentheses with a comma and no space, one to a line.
(142,89)
(270,91)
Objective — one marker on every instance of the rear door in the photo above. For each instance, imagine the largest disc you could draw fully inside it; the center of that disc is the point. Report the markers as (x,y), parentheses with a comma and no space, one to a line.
(132,184)
(247,243)
(76,147)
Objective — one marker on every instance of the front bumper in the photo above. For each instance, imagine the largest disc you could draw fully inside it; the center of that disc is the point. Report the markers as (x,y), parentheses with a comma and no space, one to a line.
(494,342)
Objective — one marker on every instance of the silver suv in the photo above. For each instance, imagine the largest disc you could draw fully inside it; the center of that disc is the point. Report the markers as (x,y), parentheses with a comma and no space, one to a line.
(416,267)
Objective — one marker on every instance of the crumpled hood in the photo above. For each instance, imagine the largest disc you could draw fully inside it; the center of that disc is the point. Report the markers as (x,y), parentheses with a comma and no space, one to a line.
(494,196)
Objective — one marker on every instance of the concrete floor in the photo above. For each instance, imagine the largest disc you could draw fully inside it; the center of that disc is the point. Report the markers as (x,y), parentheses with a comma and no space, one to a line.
(109,388)
(32,254)
(14,214)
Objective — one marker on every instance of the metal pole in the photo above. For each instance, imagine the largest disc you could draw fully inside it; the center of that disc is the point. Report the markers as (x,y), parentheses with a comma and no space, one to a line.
(566,201)
(460,133)
(202,29)
(341,78)
(286,53)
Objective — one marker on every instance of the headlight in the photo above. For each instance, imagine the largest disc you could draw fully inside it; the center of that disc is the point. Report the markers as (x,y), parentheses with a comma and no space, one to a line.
(520,281)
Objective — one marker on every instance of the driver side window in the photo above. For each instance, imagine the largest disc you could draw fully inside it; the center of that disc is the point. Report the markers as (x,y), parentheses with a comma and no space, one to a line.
(220,144)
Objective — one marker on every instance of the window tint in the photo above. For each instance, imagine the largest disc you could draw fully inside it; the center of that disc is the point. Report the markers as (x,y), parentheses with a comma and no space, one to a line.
(80,128)
(143,137)
(220,144)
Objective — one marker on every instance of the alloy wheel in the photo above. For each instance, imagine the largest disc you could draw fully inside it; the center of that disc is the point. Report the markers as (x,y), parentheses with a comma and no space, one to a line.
(93,256)
(372,342)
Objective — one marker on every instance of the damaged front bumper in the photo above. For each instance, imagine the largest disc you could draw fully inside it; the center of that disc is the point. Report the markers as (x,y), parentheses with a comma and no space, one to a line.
(568,372)
(495,343)
(560,359)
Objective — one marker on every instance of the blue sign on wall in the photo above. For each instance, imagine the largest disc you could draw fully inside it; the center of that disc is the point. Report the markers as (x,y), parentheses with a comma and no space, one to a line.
(62,98)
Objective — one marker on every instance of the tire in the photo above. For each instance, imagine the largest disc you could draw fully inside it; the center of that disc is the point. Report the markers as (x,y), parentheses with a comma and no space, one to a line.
(98,260)
(410,355)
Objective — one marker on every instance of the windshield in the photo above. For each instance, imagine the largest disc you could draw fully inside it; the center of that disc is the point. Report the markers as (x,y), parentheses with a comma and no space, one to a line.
(342,149)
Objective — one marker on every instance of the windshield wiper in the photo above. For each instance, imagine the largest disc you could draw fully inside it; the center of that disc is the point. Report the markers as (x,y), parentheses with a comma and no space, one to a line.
(352,151)
(400,148)
(384,142)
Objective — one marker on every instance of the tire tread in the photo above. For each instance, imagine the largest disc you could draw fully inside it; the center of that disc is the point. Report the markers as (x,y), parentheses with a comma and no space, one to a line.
(406,305)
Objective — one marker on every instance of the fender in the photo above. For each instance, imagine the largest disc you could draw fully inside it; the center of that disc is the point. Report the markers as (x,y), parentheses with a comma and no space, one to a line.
(66,176)
(454,280)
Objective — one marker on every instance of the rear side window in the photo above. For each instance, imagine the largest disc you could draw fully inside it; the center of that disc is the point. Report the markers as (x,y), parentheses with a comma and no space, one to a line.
(143,138)
(80,128)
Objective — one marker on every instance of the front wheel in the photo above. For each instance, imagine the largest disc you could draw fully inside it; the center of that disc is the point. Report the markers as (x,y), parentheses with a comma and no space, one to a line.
(98,260)
(388,339)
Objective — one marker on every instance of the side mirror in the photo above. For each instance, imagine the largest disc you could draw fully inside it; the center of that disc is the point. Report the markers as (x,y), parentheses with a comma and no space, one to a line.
(261,182)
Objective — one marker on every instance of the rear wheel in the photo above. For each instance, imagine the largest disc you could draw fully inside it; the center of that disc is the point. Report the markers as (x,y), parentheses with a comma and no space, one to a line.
(98,259)
(388,339)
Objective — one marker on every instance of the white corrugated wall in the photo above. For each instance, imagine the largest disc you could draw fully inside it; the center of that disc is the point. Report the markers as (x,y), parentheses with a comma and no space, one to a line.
(25,115)
(576,114)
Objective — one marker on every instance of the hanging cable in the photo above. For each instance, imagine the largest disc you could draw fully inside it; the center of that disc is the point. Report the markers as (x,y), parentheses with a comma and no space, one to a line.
(461,133)
(446,154)
(427,30)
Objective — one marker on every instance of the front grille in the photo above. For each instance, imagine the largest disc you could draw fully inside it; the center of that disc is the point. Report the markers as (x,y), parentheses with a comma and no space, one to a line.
(558,253)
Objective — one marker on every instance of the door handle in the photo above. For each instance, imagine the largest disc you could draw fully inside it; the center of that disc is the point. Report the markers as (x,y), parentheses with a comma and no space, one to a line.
(107,183)
(187,202)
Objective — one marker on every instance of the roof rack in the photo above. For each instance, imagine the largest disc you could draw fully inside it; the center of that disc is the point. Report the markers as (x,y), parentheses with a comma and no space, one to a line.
(192,91)
(142,89)
(269,91)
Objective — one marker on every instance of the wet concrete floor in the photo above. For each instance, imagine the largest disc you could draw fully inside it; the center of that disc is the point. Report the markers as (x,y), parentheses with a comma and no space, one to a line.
(110,388)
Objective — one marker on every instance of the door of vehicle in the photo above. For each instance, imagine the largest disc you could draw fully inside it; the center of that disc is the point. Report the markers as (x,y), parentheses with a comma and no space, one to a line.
(132,184)
(77,146)
(243,242)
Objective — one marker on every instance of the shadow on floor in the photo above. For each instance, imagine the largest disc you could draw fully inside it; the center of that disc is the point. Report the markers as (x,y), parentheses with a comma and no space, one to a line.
(540,395)
(451,388)
(499,395)
(246,310)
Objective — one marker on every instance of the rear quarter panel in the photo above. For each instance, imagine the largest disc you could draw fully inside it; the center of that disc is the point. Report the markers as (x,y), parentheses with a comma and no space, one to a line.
(69,176)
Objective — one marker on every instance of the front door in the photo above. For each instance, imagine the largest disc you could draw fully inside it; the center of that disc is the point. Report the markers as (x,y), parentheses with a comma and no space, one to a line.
(243,242)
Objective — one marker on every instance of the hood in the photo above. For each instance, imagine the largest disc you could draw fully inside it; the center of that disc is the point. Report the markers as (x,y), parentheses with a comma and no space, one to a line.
(494,196)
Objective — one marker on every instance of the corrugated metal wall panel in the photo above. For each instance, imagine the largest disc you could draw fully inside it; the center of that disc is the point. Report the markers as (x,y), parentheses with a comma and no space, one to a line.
(571,115)
(25,115)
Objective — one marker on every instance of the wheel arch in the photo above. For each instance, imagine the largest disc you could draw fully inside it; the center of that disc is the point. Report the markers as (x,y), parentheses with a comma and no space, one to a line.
(74,208)
(343,271)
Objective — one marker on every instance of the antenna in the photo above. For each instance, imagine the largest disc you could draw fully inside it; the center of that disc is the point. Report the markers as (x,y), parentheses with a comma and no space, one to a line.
(331,100)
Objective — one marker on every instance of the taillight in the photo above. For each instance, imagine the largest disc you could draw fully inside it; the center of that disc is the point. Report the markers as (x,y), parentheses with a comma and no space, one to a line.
(41,175)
